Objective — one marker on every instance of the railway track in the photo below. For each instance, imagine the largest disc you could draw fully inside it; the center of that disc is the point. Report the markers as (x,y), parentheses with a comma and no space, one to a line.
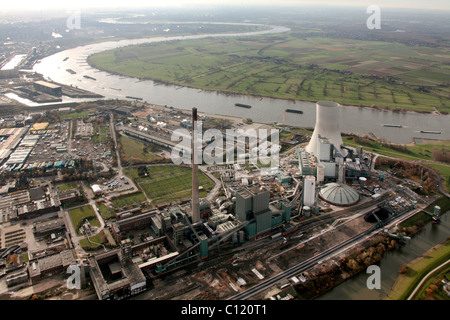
(305,265)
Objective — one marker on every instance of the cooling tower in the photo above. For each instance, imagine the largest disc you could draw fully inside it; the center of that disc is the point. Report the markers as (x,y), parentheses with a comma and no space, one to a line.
(327,126)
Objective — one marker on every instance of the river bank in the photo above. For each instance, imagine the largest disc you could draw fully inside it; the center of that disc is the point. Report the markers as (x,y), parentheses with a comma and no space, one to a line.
(229,93)
(356,119)
(329,275)
(412,273)
(424,235)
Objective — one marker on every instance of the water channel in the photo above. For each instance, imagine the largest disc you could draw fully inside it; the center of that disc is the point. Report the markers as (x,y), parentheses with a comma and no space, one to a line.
(355,288)
(264,110)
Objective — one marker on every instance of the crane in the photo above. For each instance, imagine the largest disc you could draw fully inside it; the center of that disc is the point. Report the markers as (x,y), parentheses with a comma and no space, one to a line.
(399,237)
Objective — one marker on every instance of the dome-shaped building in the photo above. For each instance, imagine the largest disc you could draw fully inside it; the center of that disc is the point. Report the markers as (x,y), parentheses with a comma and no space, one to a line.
(339,194)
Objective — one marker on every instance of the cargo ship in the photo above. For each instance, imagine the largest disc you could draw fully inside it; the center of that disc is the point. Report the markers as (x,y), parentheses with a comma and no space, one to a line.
(135,98)
(393,125)
(242,105)
(89,77)
(294,111)
(70,71)
(432,132)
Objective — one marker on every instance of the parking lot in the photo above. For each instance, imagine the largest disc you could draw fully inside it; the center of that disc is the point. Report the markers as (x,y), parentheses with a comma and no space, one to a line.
(52,145)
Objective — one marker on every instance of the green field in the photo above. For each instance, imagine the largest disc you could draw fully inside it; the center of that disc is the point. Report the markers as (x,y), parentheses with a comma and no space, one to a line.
(105,211)
(67,186)
(75,115)
(95,241)
(135,149)
(78,215)
(352,72)
(169,183)
(101,134)
(128,200)
(418,151)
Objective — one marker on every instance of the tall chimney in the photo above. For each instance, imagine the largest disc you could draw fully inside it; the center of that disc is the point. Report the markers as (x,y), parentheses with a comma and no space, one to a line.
(195,199)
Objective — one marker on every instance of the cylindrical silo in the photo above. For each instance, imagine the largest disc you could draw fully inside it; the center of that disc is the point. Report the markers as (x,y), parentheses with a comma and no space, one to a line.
(309,188)
(362,181)
(306,211)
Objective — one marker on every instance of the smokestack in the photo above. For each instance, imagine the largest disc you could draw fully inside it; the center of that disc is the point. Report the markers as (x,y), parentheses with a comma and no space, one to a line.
(195,199)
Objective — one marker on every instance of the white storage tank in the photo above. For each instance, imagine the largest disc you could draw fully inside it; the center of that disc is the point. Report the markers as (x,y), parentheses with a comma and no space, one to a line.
(362,181)
(306,211)
(309,188)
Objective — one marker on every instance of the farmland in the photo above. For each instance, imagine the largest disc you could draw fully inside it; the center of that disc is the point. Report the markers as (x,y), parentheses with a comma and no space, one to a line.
(385,75)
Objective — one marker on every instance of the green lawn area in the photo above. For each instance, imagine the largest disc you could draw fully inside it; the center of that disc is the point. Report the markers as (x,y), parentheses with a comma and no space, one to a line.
(97,240)
(101,133)
(444,171)
(422,217)
(67,186)
(419,151)
(135,149)
(168,183)
(77,215)
(302,131)
(105,211)
(417,269)
(128,200)
(75,115)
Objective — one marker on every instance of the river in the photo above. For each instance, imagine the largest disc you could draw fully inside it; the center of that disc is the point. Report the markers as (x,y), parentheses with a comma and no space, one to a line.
(264,110)
(355,288)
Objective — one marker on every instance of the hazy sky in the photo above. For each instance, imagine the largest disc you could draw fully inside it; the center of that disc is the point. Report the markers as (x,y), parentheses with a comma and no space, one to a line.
(79,4)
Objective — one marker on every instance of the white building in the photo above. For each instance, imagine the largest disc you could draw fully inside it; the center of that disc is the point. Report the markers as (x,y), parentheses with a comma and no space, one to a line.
(96,189)
(309,189)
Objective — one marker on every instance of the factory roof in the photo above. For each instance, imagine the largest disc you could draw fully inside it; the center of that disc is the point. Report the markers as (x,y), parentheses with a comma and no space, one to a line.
(47,84)
(339,194)
(49,225)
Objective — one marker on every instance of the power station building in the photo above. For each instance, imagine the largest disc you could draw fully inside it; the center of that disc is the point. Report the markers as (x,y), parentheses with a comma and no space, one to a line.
(252,206)
(325,158)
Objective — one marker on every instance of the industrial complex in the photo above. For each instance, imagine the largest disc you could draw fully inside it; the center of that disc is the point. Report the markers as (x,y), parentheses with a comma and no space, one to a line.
(251,223)
(95,206)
